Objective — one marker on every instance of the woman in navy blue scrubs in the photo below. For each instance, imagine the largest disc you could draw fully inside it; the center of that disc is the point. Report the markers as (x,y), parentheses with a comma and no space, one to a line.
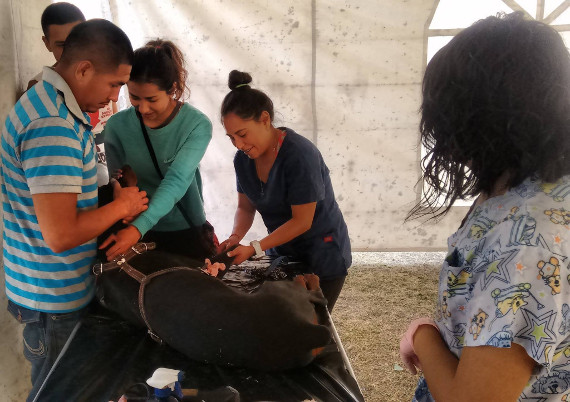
(283,176)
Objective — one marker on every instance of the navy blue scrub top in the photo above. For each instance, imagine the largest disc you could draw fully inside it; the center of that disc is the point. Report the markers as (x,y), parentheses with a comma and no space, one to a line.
(299,176)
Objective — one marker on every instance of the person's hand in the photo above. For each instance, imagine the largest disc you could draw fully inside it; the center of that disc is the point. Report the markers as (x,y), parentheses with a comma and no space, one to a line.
(213,269)
(407,352)
(241,253)
(123,240)
(129,219)
(228,243)
(134,201)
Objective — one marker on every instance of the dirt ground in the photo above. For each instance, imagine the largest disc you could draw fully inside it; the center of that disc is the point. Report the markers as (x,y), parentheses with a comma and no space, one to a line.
(372,312)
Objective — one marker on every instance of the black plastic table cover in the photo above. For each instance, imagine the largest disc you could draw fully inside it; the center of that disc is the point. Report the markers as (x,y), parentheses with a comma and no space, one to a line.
(105,357)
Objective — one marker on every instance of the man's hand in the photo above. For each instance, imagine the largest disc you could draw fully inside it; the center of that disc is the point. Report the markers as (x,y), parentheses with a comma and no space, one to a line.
(241,253)
(133,201)
(123,240)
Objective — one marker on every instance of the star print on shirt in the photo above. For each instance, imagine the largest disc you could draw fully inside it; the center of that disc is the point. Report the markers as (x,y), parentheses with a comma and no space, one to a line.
(538,330)
(499,268)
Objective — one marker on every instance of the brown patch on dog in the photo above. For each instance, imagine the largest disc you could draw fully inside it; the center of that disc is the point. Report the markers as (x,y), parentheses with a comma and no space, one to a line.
(310,282)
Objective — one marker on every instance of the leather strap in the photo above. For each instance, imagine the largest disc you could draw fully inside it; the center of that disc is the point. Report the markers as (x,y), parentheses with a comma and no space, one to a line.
(141,278)
(137,249)
(278,262)
(144,280)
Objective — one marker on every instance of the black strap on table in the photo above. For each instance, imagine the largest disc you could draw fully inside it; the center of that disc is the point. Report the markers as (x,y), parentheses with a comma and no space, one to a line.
(279,261)
(155,163)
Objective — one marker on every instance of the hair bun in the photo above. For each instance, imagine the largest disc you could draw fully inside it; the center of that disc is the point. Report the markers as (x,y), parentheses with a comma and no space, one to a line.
(238,78)
(161,44)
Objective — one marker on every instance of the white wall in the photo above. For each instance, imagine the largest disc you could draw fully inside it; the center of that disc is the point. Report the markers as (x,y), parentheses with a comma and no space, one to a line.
(14,370)
(369,61)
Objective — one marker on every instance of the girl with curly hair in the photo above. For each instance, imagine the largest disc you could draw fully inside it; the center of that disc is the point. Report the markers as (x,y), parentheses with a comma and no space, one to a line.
(496,125)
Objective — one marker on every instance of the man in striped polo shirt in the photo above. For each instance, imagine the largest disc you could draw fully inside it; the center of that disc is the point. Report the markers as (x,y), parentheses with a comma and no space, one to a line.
(49,187)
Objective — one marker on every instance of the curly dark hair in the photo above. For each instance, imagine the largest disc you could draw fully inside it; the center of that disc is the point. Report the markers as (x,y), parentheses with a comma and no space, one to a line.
(496,101)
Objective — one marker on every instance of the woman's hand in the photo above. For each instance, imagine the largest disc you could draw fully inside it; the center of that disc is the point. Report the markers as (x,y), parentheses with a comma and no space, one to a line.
(228,243)
(129,219)
(213,269)
(407,352)
(123,241)
(241,253)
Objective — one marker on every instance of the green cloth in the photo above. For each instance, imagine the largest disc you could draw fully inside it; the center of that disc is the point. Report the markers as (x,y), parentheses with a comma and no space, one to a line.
(179,147)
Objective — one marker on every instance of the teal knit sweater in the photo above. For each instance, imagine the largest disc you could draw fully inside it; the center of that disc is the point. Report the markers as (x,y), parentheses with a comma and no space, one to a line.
(179,147)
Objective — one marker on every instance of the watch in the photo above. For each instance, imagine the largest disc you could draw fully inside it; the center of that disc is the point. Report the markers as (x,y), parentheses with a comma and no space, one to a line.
(259,254)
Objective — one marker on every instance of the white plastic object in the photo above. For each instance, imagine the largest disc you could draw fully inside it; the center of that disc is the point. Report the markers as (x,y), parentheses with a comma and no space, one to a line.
(163,377)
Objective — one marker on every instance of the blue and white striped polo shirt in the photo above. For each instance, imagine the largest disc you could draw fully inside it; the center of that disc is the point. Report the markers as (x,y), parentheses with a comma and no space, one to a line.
(47,147)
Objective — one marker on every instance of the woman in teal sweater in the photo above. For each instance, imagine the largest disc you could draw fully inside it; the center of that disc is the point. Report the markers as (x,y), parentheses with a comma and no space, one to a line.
(179,135)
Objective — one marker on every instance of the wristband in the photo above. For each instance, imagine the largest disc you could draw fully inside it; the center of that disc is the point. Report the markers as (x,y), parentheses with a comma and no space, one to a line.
(259,254)
(414,325)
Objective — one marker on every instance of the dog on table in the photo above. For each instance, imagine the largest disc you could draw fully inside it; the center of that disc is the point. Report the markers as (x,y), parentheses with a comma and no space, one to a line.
(274,328)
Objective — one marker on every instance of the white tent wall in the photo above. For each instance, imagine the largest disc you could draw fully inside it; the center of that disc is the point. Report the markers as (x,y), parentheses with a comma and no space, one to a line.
(346,75)
(14,371)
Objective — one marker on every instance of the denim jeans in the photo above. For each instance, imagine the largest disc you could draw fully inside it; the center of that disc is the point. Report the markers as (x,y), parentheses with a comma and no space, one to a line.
(45,335)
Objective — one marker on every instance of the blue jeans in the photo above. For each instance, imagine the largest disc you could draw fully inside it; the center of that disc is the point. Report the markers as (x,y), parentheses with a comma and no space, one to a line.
(422,393)
(45,335)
